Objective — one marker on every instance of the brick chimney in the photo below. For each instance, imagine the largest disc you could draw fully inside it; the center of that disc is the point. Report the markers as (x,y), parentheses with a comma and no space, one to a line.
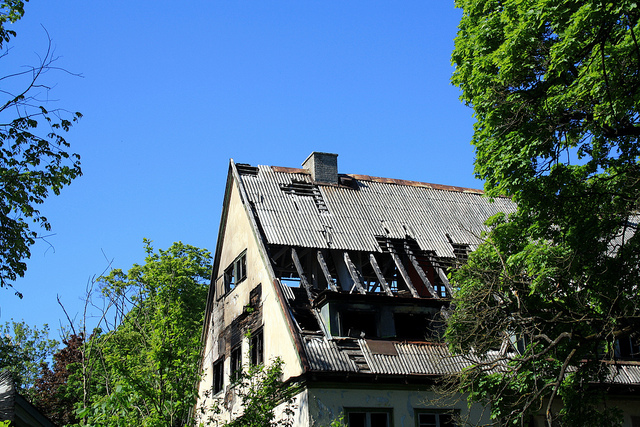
(323,167)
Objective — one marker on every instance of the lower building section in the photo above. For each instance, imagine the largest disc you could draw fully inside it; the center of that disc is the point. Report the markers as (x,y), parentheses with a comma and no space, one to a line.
(360,406)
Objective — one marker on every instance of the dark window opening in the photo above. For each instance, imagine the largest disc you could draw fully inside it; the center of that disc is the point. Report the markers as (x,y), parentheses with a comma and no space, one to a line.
(628,348)
(427,419)
(412,326)
(218,375)
(236,363)
(236,272)
(368,418)
(358,324)
(257,348)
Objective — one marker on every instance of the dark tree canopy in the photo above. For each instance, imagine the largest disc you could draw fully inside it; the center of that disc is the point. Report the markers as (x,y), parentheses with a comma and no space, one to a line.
(555,87)
(34,157)
(54,393)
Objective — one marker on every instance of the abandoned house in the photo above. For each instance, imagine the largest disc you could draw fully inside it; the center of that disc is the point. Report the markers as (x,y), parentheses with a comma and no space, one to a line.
(342,277)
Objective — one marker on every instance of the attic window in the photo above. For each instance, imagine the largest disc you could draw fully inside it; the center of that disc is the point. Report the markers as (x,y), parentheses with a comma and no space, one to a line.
(305,189)
(236,272)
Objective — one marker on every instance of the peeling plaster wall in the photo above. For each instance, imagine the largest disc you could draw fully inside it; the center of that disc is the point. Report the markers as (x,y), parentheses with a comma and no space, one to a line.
(327,404)
(231,317)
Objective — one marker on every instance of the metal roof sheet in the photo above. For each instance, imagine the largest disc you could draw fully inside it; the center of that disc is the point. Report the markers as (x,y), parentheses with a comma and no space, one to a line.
(378,207)
(414,358)
(324,356)
(420,358)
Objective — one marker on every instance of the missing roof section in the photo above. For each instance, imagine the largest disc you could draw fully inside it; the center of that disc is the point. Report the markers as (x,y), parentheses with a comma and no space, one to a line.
(247,169)
(305,189)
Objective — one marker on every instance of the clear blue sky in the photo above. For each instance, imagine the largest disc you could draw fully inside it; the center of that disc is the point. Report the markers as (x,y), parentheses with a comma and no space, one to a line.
(171,91)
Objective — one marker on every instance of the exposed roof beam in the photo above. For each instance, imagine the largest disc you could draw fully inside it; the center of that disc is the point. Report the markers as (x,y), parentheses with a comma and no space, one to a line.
(354,273)
(443,277)
(303,280)
(325,271)
(279,254)
(379,275)
(404,274)
(420,271)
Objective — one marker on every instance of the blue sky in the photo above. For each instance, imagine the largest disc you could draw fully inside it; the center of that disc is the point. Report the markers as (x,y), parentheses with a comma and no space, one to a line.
(171,91)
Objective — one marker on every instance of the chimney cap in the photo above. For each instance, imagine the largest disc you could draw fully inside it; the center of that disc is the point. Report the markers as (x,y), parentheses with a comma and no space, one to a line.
(320,153)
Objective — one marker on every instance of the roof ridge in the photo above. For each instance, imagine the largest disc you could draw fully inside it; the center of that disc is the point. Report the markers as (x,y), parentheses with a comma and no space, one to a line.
(394,181)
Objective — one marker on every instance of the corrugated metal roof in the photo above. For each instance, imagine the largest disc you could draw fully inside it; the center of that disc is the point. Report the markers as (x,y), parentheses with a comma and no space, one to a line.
(410,358)
(624,373)
(414,358)
(324,356)
(419,358)
(379,207)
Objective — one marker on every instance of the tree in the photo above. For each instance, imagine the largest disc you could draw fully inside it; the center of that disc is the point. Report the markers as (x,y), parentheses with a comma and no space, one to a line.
(260,390)
(143,368)
(55,394)
(555,88)
(34,157)
(23,350)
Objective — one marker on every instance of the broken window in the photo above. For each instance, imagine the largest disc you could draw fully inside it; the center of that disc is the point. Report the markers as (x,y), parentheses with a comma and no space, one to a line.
(236,363)
(236,272)
(358,324)
(412,326)
(368,417)
(257,347)
(218,375)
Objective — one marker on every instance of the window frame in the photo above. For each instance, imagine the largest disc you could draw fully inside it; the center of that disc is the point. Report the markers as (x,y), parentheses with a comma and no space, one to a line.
(256,347)
(368,411)
(235,273)
(235,363)
(218,375)
(453,413)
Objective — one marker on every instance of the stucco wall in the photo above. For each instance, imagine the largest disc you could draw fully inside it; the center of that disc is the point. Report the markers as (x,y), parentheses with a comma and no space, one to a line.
(233,306)
(327,404)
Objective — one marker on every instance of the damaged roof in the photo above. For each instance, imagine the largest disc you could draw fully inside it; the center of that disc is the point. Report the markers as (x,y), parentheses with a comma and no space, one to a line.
(293,210)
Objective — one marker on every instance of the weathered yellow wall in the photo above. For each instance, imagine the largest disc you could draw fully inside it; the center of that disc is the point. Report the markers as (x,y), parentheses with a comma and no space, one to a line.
(278,342)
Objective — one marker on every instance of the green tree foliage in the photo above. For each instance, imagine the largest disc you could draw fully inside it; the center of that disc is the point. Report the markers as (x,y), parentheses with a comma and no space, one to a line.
(34,160)
(23,350)
(143,371)
(260,390)
(555,87)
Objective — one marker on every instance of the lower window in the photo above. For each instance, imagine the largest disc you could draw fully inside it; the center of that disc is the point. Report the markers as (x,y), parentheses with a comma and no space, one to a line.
(218,375)
(434,419)
(368,417)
